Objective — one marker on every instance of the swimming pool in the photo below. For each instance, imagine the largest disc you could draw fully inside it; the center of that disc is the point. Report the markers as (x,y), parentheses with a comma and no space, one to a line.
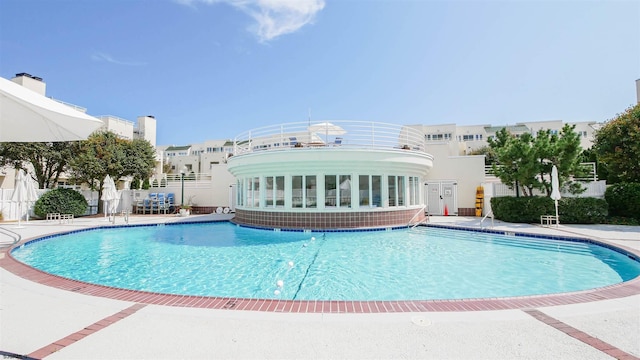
(222,259)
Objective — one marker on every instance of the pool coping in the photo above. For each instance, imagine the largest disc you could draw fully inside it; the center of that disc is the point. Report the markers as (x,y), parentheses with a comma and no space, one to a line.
(627,288)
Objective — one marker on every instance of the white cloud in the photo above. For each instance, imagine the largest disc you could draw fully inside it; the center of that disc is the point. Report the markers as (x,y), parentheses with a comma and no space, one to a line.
(99,56)
(273,17)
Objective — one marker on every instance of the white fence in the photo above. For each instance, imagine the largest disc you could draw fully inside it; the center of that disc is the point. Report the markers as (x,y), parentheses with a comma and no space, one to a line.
(593,189)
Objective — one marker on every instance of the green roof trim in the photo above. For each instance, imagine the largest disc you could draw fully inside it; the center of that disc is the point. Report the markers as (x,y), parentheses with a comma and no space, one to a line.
(178,148)
(510,128)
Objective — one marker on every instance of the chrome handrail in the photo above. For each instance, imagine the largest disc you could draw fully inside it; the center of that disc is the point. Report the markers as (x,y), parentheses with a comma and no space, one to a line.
(414,216)
(489,213)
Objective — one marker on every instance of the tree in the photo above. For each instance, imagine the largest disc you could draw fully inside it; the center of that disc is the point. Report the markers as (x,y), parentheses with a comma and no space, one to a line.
(103,153)
(525,162)
(488,152)
(617,144)
(48,160)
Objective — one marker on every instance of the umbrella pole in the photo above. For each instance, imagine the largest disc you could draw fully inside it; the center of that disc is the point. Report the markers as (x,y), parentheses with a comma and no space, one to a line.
(557,218)
(20,216)
(104,205)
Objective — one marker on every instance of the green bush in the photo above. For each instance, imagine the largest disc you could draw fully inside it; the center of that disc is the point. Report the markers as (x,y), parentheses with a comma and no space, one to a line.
(624,200)
(582,210)
(529,209)
(525,209)
(63,201)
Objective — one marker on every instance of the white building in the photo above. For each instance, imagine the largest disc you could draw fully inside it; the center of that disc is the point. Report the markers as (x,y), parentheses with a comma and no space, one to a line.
(467,138)
(144,129)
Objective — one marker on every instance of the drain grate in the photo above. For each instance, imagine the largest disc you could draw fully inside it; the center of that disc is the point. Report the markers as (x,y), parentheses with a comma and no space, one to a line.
(230,304)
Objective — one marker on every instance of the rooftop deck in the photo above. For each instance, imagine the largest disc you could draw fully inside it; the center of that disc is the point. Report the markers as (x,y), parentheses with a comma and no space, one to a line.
(329,135)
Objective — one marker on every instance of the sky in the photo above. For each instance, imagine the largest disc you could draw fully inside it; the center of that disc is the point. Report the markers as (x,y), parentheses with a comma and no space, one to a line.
(212,69)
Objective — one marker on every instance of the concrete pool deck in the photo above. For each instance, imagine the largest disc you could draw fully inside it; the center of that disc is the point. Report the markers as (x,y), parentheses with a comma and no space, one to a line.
(47,322)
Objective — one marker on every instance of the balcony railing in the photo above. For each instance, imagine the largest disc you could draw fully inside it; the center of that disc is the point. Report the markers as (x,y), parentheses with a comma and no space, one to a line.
(325,134)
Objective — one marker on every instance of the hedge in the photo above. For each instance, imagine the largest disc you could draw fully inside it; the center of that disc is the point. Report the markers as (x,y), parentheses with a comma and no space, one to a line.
(529,209)
(624,200)
(62,201)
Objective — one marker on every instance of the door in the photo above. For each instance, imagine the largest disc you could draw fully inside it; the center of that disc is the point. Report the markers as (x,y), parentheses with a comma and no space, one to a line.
(433,198)
(441,195)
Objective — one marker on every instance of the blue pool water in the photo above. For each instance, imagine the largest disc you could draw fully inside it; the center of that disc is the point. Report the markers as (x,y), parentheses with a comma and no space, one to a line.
(222,259)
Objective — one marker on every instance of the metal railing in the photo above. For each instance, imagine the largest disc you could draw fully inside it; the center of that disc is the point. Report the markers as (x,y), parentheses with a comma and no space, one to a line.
(325,134)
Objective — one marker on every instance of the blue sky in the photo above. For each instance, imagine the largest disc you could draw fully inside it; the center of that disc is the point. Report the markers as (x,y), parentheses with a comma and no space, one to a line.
(211,69)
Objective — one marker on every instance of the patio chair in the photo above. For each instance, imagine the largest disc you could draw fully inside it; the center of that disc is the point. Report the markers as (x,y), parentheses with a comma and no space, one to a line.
(337,141)
(146,206)
(171,202)
(293,141)
(162,205)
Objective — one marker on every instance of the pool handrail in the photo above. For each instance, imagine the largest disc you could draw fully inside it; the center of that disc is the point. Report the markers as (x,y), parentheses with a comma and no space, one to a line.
(490,213)
(416,214)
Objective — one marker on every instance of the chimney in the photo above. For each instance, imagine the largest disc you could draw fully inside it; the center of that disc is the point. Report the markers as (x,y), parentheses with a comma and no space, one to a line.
(31,82)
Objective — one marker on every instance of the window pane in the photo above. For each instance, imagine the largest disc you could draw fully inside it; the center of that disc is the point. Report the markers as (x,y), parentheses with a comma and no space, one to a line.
(249,193)
(376,191)
(345,190)
(392,191)
(269,191)
(256,192)
(240,192)
(311,200)
(296,191)
(401,190)
(279,190)
(330,190)
(364,190)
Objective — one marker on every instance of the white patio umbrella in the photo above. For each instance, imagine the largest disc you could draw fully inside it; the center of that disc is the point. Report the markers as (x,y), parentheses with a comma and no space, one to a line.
(20,195)
(26,116)
(555,189)
(326,129)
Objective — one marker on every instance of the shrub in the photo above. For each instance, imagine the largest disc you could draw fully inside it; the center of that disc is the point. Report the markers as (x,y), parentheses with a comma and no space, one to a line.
(582,210)
(525,209)
(624,200)
(63,201)
(529,209)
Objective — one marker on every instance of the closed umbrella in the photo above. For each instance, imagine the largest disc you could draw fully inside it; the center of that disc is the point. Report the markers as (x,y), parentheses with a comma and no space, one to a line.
(20,195)
(109,194)
(32,194)
(555,190)
(26,116)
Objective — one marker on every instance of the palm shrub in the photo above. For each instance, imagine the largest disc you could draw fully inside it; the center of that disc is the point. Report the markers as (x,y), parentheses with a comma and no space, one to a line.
(63,201)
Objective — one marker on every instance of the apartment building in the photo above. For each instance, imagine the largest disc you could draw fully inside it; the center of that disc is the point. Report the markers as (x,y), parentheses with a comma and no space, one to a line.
(464,139)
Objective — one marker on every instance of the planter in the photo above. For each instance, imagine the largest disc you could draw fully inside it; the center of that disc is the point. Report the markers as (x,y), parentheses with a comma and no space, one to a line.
(184,212)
